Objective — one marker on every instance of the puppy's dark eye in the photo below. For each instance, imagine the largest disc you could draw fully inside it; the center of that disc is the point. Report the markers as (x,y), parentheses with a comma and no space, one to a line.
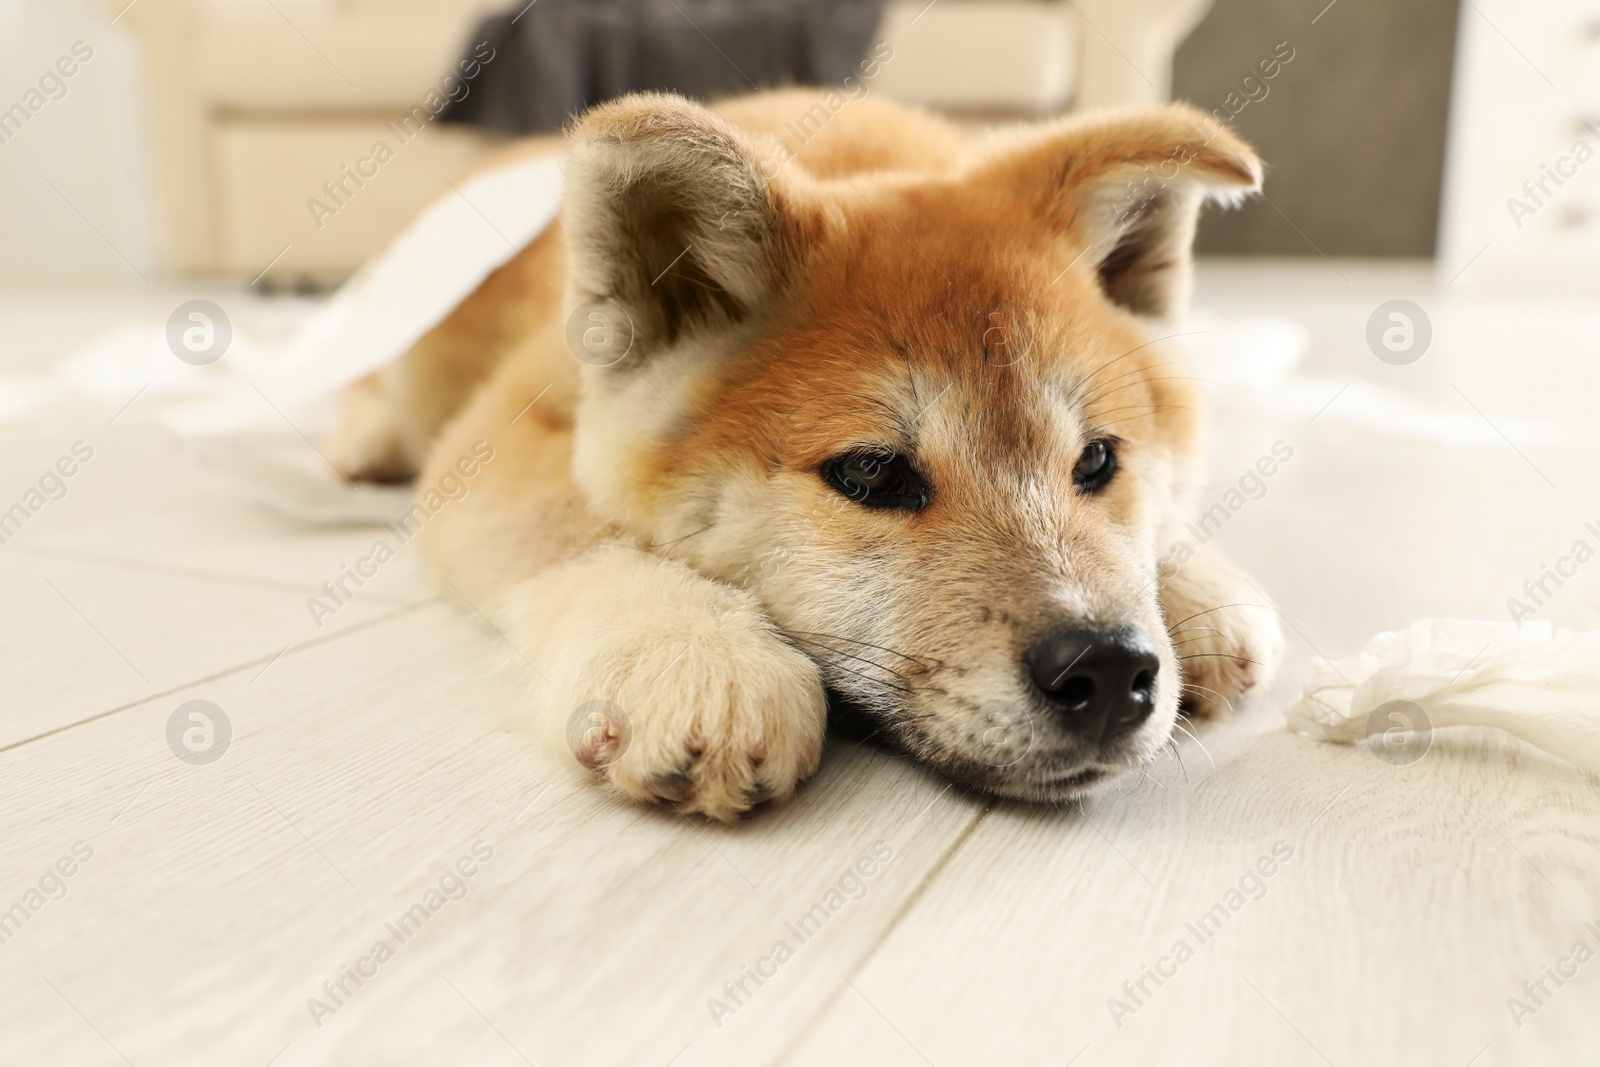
(1095,467)
(877,480)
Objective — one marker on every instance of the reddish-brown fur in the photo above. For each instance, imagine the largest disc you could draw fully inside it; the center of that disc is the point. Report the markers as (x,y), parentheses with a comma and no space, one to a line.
(985,307)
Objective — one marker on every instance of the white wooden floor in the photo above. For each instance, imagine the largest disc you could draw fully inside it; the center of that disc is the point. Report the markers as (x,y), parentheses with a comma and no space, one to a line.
(371,757)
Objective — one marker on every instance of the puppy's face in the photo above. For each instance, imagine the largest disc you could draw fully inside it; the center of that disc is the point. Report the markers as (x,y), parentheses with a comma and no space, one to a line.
(921,419)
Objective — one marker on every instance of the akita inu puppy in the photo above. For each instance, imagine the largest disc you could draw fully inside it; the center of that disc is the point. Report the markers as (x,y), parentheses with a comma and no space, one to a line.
(887,421)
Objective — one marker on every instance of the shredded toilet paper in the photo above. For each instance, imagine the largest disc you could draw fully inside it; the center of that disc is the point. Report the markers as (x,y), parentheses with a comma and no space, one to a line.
(457,241)
(1534,681)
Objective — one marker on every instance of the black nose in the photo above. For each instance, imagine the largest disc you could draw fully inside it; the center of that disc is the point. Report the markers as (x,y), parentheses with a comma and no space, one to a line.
(1102,682)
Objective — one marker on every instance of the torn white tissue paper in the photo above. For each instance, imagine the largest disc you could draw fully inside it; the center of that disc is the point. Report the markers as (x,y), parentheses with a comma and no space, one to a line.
(459,240)
(135,358)
(1532,680)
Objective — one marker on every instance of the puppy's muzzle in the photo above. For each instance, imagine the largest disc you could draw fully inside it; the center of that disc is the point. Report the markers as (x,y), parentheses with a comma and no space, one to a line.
(1101,684)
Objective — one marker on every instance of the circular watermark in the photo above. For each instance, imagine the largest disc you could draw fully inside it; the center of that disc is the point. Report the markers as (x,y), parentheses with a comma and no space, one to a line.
(1399,733)
(598,733)
(600,333)
(1003,733)
(199,332)
(1399,332)
(997,348)
(199,732)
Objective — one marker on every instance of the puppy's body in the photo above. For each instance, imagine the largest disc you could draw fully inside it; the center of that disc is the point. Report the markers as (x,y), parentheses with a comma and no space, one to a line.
(844,450)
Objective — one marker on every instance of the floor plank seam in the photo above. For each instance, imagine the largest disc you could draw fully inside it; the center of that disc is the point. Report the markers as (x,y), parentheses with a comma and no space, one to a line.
(312,643)
(911,900)
(221,577)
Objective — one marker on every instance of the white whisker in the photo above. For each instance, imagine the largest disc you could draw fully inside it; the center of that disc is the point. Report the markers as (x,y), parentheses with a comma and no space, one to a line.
(1196,739)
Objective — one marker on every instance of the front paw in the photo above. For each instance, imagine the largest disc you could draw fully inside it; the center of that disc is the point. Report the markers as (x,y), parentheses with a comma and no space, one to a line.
(1225,654)
(702,706)
(1224,631)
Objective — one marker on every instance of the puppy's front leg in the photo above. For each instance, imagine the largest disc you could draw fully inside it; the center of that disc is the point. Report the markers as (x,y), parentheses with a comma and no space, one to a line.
(1226,634)
(718,713)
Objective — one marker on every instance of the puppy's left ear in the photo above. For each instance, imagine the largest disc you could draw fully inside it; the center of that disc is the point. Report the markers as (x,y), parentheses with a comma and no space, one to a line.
(1125,188)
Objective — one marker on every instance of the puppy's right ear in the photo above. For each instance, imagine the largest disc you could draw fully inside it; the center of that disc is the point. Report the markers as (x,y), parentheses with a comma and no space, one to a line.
(668,216)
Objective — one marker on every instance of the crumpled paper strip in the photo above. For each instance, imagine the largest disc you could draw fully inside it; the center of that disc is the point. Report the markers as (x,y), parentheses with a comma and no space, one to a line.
(1534,681)
(429,269)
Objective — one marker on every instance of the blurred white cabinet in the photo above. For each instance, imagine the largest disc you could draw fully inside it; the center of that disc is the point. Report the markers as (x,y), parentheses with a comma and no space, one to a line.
(74,199)
(255,106)
(1522,173)
(981,56)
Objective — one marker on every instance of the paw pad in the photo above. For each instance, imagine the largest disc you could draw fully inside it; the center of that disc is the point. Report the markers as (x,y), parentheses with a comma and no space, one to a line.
(677,787)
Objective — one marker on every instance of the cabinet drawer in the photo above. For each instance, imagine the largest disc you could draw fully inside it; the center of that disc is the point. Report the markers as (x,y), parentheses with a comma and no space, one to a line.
(334,191)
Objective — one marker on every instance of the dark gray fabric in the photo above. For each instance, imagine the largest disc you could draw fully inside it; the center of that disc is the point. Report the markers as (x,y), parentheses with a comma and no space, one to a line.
(556,57)
(1353,130)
